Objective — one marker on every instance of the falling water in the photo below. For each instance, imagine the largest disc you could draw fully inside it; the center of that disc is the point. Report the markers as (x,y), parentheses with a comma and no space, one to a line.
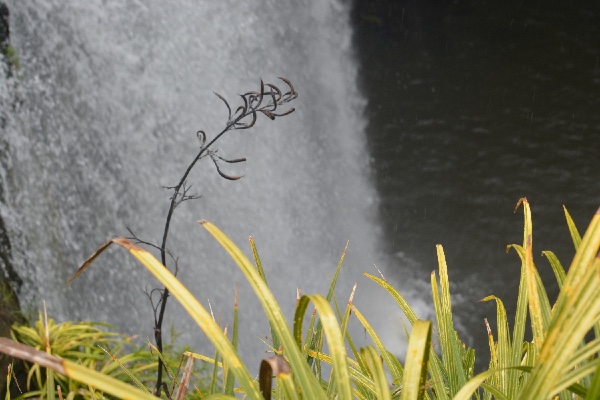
(103,112)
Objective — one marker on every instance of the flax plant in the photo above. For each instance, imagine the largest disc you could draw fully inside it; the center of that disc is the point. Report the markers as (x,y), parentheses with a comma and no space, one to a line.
(314,356)
(557,360)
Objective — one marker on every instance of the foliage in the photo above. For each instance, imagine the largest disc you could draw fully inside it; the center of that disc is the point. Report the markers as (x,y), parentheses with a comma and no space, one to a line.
(92,345)
(557,361)
(320,360)
(12,57)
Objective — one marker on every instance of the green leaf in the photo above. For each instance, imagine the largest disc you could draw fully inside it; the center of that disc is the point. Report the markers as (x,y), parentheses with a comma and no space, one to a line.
(404,306)
(572,377)
(471,386)
(515,378)
(133,378)
(594,390)
(373,362)
(215,374)
(193,307)
(575,236)
(315,339)
(449,343)
(417,357)
(559,271)
(286,382)
(306,380)
(392,363)
(73,370)
(504,348)
(575,313)
(335,340)
(539,306)
(228,378)
(220,396)
(261,272)
(437,370)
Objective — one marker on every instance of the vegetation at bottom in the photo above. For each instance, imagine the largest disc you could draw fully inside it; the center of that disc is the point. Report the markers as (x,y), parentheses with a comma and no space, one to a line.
(314,356)
(559,361)
(93,345)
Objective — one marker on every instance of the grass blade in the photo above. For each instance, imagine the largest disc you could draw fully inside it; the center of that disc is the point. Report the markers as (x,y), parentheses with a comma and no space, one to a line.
(504,347)
(228,377)
(539,311)
(404,306)
(392,363)
(133,378)
(594,389)
(417,360)
(575,236)
(471,386)
(335,340)
(308,382)
(450,345)
(286,382)
(438,373)
(316,339)
(220,396)
(515,378)
(193,307)
(373,362)
(215,374)
(261,272)
(73,370)
(576,311)
(557,268)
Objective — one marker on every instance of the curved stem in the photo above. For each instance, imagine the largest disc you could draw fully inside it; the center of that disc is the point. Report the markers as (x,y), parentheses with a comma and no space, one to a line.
(252,105)
(163,247)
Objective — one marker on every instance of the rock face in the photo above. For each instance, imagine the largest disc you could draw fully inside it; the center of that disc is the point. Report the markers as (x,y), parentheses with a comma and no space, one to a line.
(10,310)
(4,31)
(6,267)
(7,271)
(10,313)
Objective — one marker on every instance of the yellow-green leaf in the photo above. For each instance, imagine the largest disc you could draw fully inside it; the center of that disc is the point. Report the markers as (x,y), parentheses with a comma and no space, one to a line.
(416,365)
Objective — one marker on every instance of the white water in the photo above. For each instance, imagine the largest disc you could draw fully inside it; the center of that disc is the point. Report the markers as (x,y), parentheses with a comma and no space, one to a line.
(110,95)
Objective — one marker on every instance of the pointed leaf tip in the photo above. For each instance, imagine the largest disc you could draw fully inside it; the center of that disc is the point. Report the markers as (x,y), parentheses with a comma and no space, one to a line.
(522,200)
(121,241)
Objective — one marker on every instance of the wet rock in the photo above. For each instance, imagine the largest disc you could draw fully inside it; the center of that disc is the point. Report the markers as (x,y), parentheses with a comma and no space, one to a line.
(10,313)
(10,310)
(4,31)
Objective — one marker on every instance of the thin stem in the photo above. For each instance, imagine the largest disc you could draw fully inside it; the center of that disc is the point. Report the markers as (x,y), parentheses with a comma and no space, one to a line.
(163,253)
(252,105)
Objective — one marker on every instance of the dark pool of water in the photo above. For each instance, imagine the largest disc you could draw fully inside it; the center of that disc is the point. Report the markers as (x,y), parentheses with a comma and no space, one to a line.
(473,105)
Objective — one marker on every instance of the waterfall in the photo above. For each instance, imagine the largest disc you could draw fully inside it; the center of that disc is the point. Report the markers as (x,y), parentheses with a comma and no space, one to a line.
(104,110)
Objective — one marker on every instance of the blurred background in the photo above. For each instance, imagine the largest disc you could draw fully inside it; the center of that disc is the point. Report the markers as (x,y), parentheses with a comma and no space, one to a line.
(471,106)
